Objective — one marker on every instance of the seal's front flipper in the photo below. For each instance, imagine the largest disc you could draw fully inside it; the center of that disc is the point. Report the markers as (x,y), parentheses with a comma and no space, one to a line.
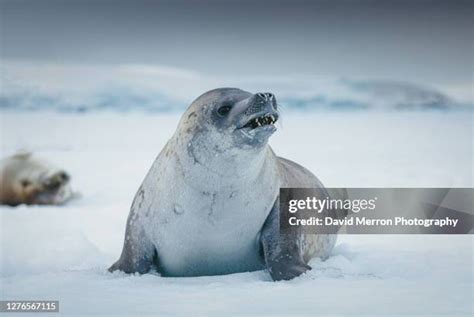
(282,252)
(138,254)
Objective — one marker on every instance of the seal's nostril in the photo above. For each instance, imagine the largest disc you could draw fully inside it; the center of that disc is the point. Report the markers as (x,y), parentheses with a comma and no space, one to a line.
(64,176)
(266,96)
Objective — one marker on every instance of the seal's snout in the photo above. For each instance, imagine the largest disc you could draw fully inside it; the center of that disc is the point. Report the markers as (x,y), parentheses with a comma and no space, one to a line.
(261,112)
(261,102)
(56,180)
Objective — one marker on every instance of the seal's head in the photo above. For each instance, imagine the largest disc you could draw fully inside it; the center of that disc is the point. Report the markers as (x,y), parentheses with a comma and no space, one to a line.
(231,118)
(27,180)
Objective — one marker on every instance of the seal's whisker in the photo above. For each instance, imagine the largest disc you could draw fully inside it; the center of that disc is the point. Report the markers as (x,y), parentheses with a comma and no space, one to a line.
(281,111)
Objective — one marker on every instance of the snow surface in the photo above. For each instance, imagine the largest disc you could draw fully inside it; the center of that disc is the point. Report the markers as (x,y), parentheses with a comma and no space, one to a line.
(62,253)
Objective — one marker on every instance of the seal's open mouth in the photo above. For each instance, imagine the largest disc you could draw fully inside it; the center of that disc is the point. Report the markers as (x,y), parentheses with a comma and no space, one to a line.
(268,119)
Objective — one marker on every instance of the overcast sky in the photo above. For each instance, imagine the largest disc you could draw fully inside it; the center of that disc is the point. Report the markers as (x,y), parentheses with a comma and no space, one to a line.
(422,41)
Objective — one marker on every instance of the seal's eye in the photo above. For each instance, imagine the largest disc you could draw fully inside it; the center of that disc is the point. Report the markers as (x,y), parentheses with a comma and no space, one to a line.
(224,110)
(25,183)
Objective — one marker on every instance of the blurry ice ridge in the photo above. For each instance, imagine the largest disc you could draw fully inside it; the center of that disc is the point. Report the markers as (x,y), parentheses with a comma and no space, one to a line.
(344,95)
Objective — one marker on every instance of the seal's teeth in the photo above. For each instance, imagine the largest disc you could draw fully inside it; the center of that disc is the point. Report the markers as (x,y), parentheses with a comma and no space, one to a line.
(261,121)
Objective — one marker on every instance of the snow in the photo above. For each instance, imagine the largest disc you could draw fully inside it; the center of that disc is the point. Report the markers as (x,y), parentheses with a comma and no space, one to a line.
(62,253)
